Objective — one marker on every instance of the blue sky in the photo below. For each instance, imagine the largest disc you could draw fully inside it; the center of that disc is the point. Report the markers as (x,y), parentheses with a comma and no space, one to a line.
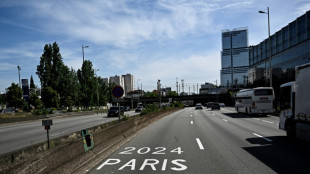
(163,39)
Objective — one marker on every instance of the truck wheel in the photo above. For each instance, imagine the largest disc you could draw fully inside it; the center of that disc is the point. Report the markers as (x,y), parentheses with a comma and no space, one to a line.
(290,130)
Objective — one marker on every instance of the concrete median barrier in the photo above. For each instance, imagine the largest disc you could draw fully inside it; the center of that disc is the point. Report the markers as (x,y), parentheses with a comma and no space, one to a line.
(68,150)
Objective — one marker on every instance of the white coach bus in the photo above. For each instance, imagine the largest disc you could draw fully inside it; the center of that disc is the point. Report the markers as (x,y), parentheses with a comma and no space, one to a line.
(255,101)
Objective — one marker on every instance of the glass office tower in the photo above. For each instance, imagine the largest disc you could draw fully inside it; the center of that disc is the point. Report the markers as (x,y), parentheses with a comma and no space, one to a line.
(234,57)
(290,47)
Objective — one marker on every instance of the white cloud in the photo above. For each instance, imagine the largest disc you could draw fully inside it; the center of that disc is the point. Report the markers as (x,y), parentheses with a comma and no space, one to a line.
(303,9)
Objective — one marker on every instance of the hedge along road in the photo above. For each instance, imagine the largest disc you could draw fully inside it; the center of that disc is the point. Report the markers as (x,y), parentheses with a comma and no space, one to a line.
(204,141)
(23,134)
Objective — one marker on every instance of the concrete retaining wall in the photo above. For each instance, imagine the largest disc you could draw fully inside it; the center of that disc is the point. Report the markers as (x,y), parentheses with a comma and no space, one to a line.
(39,159)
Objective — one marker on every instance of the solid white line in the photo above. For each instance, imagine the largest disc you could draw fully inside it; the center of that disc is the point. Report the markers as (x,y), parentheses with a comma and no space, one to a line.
(262,137)
(199,144)
(225,120)
(33,131)
(59,133)
(192,122)
(267,121)
(256,118)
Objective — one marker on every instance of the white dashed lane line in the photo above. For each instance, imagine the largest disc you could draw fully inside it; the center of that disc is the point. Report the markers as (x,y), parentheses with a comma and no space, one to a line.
(199,144)
(192,122)
(225,120)
(262,137)
(267,121)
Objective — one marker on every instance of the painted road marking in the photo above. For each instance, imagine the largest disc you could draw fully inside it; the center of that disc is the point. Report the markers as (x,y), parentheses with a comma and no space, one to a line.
(213,114)
(267,121)
(199,144)
(34,131)
(256,118)
(59,133)
(225,120)
(191,115)
(192,122)
(262,137)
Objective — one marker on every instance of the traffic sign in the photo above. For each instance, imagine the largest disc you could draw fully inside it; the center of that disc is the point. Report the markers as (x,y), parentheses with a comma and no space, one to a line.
(117,91)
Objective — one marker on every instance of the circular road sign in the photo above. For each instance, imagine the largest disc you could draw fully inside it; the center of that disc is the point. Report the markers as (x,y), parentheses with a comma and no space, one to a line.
(117,91)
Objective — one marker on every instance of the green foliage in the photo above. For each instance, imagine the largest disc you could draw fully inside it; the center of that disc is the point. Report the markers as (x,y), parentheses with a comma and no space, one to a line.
(14,96)
(35,101)
(150,94)
(125,117)
(171,94)
(177,105)
(32,85)
(42,111)
(50,97)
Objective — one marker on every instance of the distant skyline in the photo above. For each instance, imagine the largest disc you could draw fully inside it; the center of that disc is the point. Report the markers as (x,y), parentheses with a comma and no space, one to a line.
(150,39)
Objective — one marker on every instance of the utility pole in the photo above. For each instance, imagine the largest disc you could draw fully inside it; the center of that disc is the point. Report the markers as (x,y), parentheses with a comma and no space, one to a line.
(19,68)
(177,86)
(182,85)
(197,89)
(159,90)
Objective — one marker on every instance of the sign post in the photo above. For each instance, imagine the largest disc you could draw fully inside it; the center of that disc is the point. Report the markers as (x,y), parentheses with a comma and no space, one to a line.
(118,92)
(47,124)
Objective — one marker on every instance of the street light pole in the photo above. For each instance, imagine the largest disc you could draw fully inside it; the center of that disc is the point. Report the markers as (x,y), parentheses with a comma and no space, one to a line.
(270,66)
(19,68)
(97,88)
(83,50)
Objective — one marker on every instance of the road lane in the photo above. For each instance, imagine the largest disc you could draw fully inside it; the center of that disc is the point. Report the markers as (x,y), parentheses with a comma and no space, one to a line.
(23,134)
(209,145)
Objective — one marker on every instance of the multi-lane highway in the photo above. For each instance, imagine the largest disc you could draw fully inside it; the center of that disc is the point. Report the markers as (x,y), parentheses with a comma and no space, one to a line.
(19,135)
(205,141)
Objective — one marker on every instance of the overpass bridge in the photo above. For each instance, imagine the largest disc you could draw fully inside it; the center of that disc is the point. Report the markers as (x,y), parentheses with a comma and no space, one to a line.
(204,98)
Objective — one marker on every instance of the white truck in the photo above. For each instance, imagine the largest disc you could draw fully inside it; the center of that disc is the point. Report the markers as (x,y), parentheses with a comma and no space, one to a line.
(295,104)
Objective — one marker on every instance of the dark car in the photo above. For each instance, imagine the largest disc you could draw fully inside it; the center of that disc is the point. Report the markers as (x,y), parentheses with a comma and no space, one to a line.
(114,112)
(209,104)
(215,106)
(139,109)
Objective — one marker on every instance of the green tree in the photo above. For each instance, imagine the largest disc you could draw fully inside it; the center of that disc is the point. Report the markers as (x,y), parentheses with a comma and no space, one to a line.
(14,96)
(172,94)
(35,101)
(53,73)
(32,85)
(50,97)
(87,81)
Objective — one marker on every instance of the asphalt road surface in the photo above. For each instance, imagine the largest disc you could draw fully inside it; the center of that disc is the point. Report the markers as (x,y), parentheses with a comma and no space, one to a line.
(205,141)
(19,135)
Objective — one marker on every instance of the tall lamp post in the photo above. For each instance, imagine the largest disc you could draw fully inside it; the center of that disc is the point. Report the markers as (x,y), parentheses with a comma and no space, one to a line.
(84,72)
(83,50)
(97,88)
(270,67)
(19,68)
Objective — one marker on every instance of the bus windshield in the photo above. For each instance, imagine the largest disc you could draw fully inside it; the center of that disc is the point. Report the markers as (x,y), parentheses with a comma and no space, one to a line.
(262,92)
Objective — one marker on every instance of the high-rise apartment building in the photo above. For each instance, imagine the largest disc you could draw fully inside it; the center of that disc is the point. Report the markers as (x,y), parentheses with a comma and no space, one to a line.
(234,56)
(118,80)
(129,83)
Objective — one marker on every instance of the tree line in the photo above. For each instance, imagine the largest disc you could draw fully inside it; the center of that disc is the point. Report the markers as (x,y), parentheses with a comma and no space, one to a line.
(61,85)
